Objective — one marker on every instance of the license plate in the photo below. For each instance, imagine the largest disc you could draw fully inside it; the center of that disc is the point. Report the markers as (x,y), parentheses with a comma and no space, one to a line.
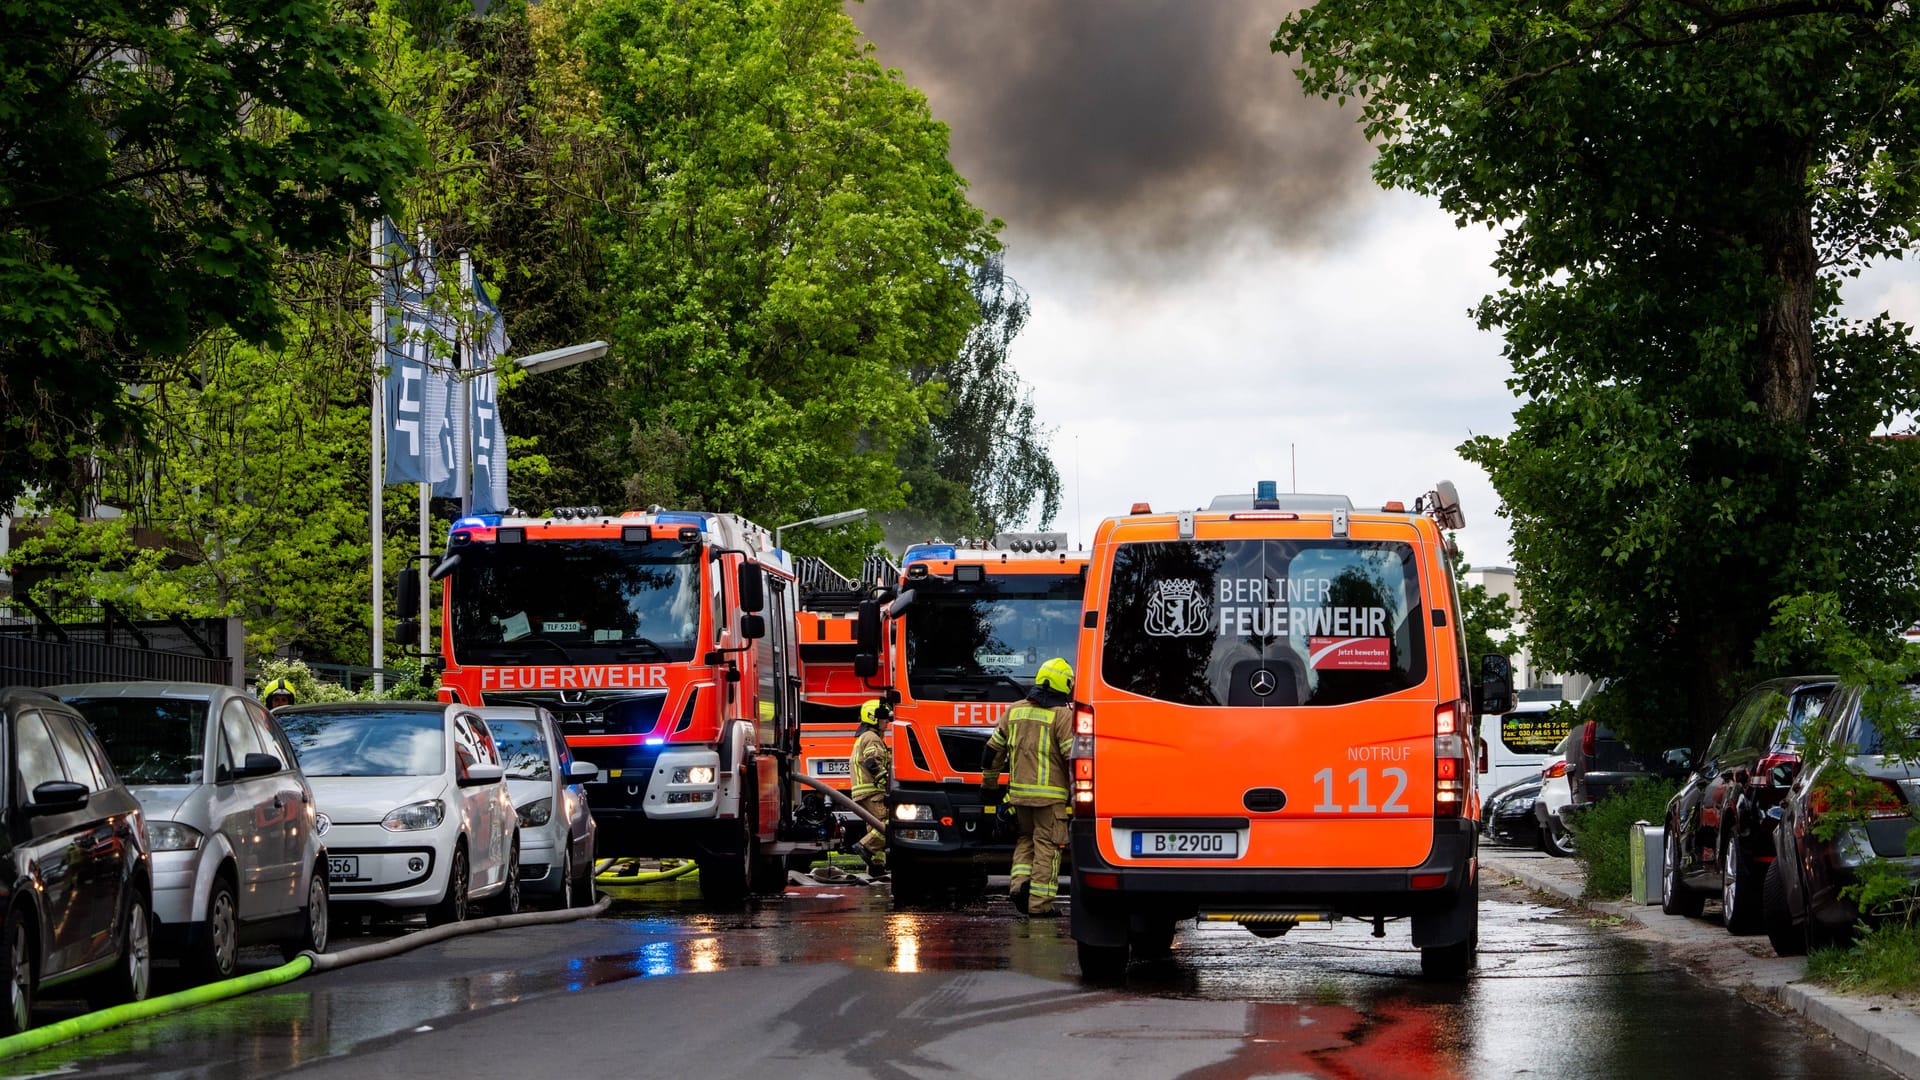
(343,867)
(832,767)
(1186,845)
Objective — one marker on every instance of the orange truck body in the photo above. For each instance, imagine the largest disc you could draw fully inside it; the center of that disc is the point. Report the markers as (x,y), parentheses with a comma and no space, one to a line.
(631,630)
(1273,720)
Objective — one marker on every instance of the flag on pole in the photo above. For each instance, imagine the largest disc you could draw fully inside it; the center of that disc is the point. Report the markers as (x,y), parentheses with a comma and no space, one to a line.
(420,341)
(489,437)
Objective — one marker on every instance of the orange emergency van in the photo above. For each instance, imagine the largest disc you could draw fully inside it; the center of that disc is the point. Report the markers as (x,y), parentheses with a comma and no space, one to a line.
(1273,725)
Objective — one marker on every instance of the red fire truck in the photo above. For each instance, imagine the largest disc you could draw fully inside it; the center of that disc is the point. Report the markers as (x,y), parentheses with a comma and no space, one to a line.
(831,692)
(664,643)
(971,625)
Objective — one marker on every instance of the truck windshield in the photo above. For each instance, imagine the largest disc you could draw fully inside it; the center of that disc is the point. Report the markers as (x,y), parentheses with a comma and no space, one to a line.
(1264,623)
(985,642)
(554,602)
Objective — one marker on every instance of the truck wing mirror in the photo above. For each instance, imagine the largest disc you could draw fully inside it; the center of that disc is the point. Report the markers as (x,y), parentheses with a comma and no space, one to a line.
(866,630)
(1493,694)
(900,603)
(444,567)
(865,665)
(407,604)
(752,587)
(753,627)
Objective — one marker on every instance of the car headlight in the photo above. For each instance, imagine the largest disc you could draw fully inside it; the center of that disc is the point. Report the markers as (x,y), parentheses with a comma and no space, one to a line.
(537,812)
(693,774)
(913,811)
(172,836)
(415,816)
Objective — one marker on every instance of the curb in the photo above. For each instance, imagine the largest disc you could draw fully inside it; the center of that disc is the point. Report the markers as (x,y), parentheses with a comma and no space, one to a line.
(1890,1036)
(93,1023)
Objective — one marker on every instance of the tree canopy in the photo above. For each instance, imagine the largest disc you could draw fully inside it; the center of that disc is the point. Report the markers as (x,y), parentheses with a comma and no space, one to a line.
(1681,187)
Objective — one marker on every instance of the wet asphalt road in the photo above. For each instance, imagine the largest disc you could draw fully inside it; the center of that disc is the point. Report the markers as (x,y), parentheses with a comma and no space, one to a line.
(830,982)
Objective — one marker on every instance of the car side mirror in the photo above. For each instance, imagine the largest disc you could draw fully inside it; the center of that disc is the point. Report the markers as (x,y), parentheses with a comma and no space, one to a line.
(1679,758)
(753,627)
(581,772)
(58,796)
(258,764)
(482,774)
(1493,694)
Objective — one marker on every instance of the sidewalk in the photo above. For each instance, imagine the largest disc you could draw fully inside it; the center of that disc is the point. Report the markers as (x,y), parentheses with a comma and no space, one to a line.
(1883,1028)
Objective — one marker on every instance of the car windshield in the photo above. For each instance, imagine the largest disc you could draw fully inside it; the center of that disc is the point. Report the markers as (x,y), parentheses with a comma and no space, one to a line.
(150,740)
(523,749)
(986,642)
(369,742)
(558,602)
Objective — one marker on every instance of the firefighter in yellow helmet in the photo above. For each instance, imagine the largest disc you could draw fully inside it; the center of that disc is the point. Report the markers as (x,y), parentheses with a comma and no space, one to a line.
(872,768)
(1037,735)
(277,693)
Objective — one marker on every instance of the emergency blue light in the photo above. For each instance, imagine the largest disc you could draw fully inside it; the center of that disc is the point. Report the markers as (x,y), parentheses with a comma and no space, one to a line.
(481,521)
(683,517)
(656,741)
(1266,495)
(927,551)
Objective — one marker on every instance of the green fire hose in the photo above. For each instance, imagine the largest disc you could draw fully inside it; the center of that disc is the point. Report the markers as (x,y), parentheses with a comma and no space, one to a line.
(42,1037)
(649,878)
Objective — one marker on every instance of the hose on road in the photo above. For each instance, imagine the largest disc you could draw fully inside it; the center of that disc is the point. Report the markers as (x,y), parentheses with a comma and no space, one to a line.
(648,878)
(95,1022)
(845,800)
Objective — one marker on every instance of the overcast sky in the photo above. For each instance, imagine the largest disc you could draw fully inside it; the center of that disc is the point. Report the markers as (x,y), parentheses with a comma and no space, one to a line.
(1216,282)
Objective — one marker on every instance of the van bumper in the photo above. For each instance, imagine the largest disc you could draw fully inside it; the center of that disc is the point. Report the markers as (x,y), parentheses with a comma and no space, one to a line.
(1183,892)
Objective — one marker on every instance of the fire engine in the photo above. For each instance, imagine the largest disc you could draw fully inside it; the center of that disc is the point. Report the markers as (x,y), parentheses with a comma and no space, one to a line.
(970,626)
(664,643)
(831,691)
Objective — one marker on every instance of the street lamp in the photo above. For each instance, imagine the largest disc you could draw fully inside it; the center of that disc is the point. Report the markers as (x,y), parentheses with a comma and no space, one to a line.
(825,521)
(555,359)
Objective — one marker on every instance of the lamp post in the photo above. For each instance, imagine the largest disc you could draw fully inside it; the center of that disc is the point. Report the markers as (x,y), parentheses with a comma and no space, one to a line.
(824,521)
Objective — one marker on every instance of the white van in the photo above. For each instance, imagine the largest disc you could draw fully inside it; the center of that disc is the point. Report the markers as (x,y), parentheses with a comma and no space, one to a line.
(1518,745)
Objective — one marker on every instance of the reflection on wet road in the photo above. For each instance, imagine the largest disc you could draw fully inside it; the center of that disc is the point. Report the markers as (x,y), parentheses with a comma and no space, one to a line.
(829,981)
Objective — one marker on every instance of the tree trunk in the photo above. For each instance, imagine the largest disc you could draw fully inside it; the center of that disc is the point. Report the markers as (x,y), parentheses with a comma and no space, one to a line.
(1784,376)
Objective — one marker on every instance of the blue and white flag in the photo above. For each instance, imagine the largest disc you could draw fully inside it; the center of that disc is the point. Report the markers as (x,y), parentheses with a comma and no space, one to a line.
(420,403)
(489,437)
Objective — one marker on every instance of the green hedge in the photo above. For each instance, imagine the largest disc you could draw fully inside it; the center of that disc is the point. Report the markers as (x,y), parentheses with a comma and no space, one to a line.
(1602,834)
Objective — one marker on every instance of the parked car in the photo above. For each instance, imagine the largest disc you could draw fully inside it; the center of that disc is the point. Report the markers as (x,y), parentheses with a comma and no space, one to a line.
(1802,905)
(546,783)
(1719,835)
(78,883)
(413,806)
(1516,746)
(1550,808)
(1600,763)
(229,819)
(1506,816)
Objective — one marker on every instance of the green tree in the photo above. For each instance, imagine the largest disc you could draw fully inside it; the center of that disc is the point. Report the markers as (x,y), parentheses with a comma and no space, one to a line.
(982,464)
(1682,186)
(155,161)
(790,246)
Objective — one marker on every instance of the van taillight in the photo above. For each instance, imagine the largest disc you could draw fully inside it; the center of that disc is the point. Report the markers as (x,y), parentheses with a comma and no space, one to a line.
(1450,770)
(1589,736)
(1082,759)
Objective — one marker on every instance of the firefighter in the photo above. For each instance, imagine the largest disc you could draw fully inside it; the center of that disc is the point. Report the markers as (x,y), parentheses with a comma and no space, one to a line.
(872,769)
(1036,735)
(277,693)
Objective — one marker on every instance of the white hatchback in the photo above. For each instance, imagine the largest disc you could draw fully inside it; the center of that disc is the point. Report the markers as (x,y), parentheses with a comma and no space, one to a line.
(413,807)
(556,831)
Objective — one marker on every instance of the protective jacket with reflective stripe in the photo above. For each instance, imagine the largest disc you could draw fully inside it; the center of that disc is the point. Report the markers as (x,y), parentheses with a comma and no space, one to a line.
(871,764)
(1037,741)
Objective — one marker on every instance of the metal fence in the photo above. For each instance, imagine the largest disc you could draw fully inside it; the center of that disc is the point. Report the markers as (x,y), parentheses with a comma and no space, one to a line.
(26,661)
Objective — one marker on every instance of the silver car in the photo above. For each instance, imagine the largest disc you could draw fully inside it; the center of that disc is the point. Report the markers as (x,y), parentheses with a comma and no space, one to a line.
(229,818)
(556,831)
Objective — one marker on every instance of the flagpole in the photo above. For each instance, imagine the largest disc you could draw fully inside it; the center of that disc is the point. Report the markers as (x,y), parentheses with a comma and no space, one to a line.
(379,427)
(463,471)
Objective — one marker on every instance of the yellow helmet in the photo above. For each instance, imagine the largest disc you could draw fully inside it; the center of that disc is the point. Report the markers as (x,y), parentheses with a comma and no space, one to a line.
(277,686)
(1056,675)
(875,712)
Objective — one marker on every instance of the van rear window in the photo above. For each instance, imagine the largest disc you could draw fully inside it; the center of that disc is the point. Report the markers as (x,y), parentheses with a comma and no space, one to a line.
(1254,623)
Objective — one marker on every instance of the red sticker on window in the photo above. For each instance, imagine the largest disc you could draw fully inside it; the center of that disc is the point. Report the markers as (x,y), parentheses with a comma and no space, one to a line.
(1350,654)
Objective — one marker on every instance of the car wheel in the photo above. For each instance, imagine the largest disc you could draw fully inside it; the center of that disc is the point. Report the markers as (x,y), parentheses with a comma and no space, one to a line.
(1102,963)
(452,907)
(315,919)
(508,900)
(566,880)
(132,974)
(19,943)
(1675,897)
(217,950)
(728,878)
(1786,938)
(1737,892)
(583,890)
(1555,840)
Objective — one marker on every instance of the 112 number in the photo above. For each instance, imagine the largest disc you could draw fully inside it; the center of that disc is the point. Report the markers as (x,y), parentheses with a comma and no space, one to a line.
(1358,779)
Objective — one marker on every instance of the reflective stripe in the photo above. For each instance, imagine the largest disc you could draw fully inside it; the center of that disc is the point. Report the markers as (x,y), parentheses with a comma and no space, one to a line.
(861,790)
(1043,888)
(1044,791)
(1021,869)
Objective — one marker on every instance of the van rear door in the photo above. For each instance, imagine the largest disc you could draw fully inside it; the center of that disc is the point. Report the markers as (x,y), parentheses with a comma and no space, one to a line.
(1274,682)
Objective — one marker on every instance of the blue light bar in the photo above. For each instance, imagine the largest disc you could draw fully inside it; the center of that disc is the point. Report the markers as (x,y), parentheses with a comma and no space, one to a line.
(482,521)
(655,740)
(683,517)
(927,551)
(1266,495)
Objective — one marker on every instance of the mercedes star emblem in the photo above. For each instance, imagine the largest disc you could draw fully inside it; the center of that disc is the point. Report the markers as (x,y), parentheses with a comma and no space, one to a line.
(1262,682)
